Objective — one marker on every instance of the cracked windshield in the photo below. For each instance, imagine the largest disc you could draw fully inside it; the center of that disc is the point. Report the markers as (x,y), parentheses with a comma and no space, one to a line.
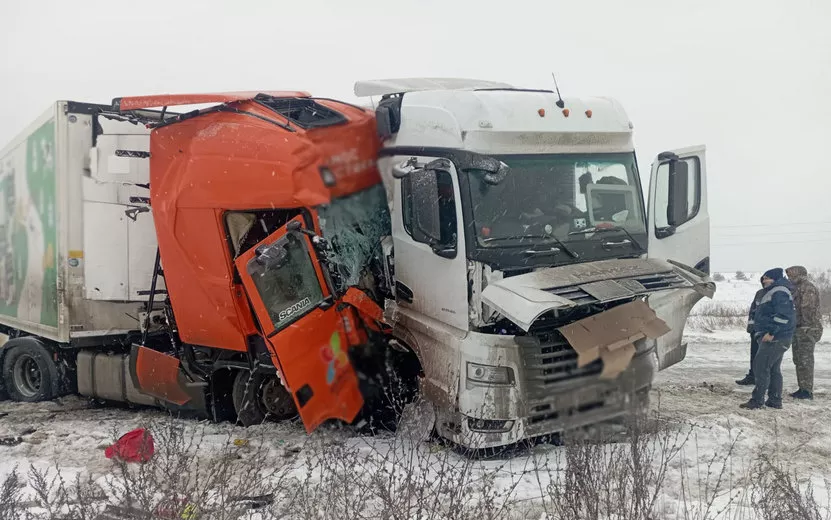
(559,196)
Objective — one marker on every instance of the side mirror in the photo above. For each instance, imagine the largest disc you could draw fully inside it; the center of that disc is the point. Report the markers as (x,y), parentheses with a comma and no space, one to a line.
(584,181)
(388,116)
(678,204)
(383,122)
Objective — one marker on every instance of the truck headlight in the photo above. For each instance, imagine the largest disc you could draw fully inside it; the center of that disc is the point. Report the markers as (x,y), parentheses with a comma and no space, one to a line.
(489,375)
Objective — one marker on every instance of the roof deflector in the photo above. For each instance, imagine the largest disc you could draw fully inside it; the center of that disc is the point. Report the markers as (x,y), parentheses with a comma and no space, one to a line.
(124,104)
(381,87)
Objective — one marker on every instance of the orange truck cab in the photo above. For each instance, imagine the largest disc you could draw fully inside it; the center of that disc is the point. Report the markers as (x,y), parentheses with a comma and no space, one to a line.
(269,210)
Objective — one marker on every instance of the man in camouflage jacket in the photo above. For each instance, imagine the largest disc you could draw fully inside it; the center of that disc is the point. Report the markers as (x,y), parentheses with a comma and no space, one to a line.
(808,329)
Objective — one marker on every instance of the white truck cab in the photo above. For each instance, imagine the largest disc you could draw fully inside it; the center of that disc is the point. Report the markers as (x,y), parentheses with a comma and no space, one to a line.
(515,213)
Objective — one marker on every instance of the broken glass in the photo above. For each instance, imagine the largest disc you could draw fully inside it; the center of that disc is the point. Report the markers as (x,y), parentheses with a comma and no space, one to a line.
(354,226)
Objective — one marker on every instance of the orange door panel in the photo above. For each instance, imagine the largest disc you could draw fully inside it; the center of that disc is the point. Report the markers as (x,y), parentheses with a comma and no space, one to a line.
(305,332)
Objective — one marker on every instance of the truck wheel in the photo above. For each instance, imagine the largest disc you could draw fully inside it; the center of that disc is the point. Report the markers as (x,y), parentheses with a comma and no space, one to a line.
(258,397)
(29,374)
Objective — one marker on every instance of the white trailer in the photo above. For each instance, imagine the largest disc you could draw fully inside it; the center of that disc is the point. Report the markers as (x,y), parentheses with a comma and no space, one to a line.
(514,215)
(77,245)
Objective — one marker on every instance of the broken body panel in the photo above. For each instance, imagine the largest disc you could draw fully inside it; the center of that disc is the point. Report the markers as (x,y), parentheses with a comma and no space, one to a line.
(540,223)
(160,298)
(231,187)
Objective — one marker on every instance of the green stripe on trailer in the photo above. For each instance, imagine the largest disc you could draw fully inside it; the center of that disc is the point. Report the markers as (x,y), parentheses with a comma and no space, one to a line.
(28,230)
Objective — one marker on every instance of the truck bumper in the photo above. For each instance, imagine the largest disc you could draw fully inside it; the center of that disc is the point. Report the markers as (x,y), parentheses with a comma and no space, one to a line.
(489,416)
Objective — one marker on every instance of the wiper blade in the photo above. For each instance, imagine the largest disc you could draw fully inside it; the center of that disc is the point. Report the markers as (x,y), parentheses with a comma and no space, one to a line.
(513,237)
(559,242)
(606,230)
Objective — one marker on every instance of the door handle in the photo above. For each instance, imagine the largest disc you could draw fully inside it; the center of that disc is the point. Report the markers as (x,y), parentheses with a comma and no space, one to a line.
(623,243)
(535,252)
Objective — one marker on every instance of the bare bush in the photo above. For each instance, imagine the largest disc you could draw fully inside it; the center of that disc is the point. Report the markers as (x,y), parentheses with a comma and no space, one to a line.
(10,496)
(718,277)
(777,494)
(606,479)
(186,478)
(394,477)
(822,279)
(647,468)
(741,276)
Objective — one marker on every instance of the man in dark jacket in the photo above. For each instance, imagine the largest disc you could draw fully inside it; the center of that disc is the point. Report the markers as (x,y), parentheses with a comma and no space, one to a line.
(754,345)
(773,325)
(808,329)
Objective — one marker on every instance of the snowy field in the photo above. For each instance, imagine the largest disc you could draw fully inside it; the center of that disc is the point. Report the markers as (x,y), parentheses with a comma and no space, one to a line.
(698,457)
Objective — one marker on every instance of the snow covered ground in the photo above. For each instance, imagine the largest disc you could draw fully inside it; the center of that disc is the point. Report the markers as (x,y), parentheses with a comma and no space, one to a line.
(713,447)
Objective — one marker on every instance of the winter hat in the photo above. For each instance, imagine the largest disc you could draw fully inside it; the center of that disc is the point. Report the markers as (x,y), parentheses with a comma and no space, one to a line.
(774,274)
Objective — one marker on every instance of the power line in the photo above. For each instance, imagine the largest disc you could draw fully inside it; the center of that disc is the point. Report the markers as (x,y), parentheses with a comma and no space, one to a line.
(765,243)
(773,225)
(779,233)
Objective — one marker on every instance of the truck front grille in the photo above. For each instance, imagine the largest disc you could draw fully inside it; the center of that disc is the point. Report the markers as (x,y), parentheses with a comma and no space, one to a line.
(621,288)
(549,368)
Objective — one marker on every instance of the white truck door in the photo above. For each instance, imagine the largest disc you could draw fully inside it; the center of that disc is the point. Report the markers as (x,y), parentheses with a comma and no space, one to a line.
(428,240)
(679,222)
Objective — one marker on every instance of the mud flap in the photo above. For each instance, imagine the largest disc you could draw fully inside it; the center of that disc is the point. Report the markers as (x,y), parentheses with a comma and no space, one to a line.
(161,376)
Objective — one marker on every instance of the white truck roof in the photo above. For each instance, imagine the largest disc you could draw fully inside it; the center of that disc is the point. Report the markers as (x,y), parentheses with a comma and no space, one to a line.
(496,118)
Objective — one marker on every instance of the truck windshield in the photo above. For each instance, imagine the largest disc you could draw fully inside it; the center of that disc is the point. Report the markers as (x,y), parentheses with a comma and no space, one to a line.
(354,225)
(556,198)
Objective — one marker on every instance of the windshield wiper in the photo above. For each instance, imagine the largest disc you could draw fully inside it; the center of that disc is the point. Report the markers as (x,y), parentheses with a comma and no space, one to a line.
(532,251)
(606,230)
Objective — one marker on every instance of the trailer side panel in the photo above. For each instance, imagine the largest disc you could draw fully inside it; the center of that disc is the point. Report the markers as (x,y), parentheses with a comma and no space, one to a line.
(29,230)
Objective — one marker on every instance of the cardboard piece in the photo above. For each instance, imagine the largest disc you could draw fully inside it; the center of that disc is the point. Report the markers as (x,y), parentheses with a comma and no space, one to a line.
(611,335)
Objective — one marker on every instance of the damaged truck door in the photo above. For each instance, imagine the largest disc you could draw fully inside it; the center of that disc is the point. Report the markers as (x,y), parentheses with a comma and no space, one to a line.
(679,232)
(306,333)
(679,227)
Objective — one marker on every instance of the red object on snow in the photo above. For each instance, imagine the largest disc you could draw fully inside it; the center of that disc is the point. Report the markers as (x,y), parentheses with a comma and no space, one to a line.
(134,446)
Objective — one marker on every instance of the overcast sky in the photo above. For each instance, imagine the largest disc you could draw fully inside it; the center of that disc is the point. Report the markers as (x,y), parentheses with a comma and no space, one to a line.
(750,79)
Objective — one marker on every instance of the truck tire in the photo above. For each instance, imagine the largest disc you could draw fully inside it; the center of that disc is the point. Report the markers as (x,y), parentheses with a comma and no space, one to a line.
(258,397)
(29,374)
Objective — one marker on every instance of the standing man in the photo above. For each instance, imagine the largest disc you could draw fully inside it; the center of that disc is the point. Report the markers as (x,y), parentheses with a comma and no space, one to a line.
(754,345)
(773,326)
(808,329)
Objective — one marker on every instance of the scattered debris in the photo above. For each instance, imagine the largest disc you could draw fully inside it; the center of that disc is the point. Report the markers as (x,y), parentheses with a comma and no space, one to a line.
(255,502)
(10,441)
(121,513)
(134,446)
(611,336)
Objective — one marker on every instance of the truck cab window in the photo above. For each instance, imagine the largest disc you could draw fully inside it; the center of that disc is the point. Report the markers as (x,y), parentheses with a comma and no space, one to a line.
(245,229)
(290,290)
(693,202)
